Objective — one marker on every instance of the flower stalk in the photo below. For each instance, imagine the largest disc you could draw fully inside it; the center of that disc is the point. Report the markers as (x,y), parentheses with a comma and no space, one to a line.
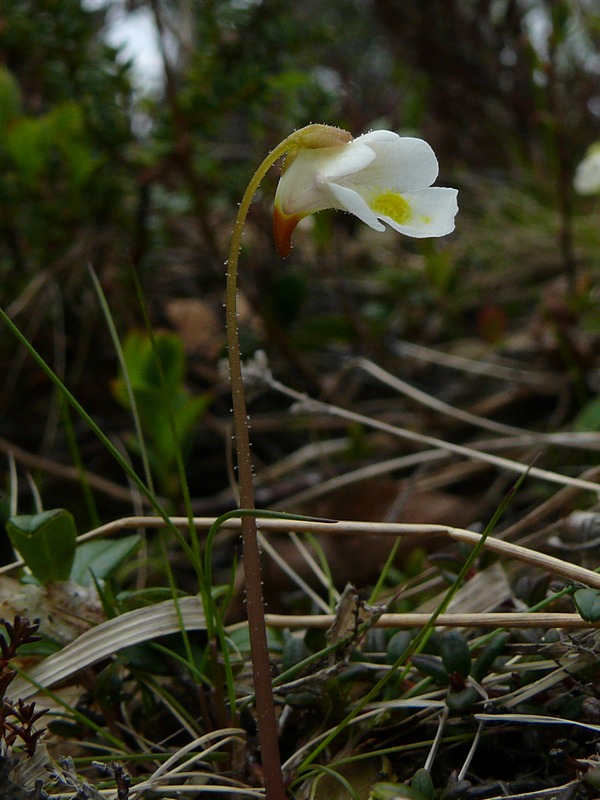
(261,666)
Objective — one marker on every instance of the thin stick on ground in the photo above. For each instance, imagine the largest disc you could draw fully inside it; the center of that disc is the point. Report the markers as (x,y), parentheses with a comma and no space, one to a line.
(551,564)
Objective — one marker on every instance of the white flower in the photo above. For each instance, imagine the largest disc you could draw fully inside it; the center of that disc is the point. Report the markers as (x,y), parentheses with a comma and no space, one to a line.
(587,174)
(379,177)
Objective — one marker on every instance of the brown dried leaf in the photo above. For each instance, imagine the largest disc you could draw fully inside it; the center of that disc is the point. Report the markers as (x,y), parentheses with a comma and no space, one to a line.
(197,324)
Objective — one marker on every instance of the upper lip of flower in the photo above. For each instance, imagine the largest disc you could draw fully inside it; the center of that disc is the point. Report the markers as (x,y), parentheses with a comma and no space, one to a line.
(379,177)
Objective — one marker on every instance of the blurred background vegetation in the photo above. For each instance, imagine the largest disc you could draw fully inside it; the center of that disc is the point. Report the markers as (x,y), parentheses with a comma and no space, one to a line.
(96,169)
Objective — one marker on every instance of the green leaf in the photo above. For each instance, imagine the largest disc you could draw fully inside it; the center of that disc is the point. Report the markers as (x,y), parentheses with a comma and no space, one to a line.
(141,362)
(186,413)
(397,645)
(588,418)
(455,653)
(154,419)
(26,145)
(431,666)
(423,784)
(46,542)
(587,602)
(239,637)
(101,558)
(395,791)
(592,777)
(10,98)
(462,699)
(294,651)
(139,598)
(491,651)
(65,131)
(153,411)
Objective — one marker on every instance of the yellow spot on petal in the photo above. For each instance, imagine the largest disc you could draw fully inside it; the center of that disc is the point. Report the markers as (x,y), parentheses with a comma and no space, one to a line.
(392,205)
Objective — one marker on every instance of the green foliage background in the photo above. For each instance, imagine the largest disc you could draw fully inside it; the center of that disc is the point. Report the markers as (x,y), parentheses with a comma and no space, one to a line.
(93,170)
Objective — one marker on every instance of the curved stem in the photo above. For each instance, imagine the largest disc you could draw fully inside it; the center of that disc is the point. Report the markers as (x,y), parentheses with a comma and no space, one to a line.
(261,666)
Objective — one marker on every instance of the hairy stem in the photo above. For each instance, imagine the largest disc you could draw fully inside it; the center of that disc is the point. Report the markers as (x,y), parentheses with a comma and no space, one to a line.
(311,136)
(261,667)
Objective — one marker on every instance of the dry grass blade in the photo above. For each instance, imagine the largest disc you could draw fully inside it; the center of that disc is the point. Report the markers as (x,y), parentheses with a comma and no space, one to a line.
(106,639)
(574,439)
(499,619)
(174,766)
(564,792)
(305,404)
(402,387)
(493,369)
(551,564)
(536,719)
(569,665)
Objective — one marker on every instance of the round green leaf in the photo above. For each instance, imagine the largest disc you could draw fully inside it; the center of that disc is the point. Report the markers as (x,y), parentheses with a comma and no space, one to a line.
(46,542)
(587,602)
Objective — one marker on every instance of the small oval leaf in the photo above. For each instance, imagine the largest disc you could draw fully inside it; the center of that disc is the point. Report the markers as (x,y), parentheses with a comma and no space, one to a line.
(455,654)
(423,784)
(46,542)
(587,602)
(431,666)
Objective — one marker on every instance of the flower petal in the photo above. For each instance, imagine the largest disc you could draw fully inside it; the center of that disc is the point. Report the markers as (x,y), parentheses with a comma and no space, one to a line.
(373,138)
(348,160)
(429,212)
(304,187)
(351,201)
(401,163)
